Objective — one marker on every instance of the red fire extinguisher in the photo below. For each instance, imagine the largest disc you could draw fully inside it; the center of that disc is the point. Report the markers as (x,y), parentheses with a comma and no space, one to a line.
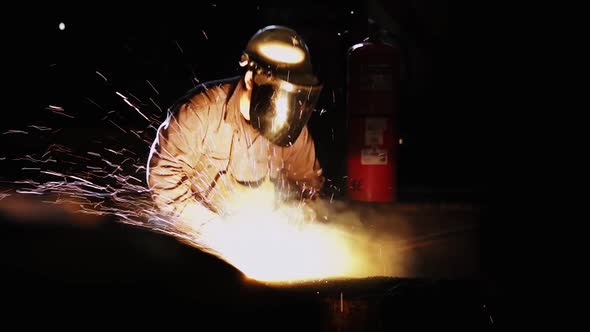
(373,70)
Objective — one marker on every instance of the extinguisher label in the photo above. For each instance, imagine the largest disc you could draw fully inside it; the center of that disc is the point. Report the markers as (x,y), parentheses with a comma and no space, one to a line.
(376,77)
(374,131)
(373,156)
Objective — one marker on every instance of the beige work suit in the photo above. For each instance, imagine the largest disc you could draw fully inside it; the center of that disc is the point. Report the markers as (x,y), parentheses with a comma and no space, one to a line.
(206,149)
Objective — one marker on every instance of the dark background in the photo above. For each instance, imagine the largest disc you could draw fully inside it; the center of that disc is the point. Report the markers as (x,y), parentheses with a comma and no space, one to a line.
(176,47)
(446,130)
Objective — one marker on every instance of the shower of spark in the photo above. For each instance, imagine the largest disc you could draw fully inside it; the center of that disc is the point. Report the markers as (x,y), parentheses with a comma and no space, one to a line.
(267,239)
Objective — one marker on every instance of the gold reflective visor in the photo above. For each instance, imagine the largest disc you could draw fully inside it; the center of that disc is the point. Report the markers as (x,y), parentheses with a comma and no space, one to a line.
(280,109)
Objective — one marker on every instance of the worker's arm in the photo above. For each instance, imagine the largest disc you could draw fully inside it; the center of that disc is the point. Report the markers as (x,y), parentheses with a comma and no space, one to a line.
(175,158)
(302,168)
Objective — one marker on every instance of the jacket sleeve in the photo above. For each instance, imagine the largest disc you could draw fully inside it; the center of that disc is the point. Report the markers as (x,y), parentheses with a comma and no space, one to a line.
(175,155)
(302,168)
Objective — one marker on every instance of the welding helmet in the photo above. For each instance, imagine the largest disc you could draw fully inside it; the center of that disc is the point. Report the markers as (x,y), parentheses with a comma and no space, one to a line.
(284,87)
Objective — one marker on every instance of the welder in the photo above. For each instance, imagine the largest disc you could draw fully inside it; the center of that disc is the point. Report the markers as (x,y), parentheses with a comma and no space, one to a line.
(232,135)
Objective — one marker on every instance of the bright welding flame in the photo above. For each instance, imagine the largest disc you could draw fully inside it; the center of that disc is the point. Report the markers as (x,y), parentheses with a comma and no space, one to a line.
(282,52)
(268,246)
(270,243)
